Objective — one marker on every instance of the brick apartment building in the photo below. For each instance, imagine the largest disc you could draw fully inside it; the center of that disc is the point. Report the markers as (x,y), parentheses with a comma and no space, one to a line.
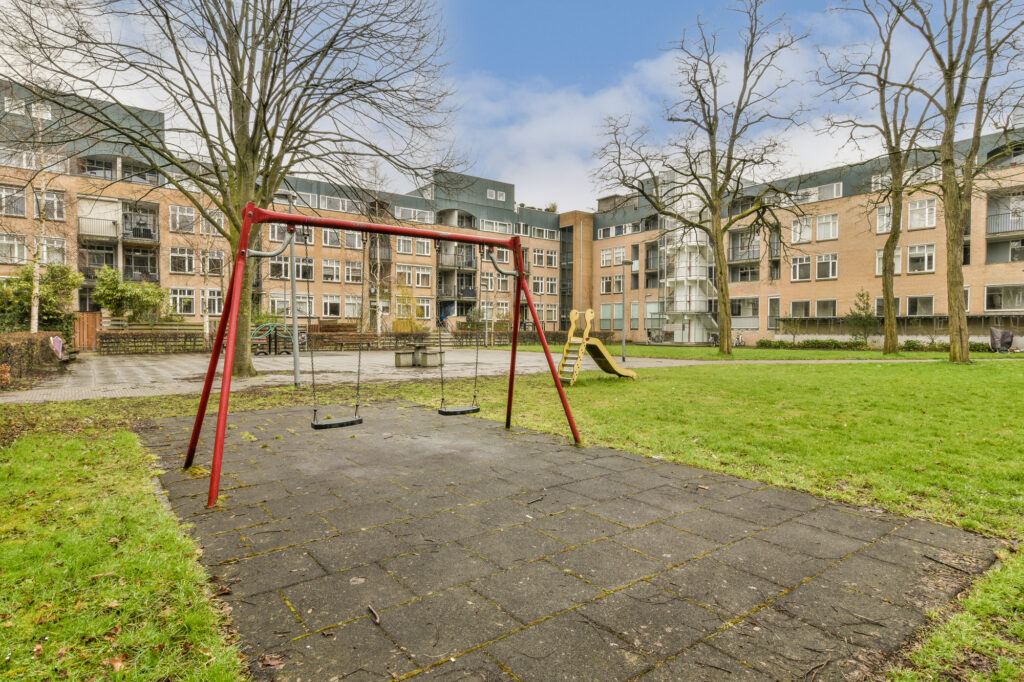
(99,206)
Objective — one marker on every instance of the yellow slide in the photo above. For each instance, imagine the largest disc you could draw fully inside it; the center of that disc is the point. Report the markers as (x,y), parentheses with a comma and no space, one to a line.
(576,345)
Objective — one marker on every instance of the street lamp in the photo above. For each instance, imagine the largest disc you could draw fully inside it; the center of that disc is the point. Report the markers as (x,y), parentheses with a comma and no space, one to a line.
(625,262)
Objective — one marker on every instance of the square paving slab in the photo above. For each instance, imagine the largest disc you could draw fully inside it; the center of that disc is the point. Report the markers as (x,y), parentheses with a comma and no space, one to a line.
(449,548)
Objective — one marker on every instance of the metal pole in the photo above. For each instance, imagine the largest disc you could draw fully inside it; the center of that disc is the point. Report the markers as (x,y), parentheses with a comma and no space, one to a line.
(624,264)
(295,304)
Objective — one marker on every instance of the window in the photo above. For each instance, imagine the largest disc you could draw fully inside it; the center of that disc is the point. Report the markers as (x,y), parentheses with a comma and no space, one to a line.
(800,309)
(880,306)
(828,227)
(97,168)
(744,273)
(897,261)
(491,194)
(1016,250)
(332,204)
(606,285)
(617,284)
(353,306)
(183,301)
(213,262)
(305,199)
(801,230)
(41,110)
(13,105)
(496,226)
(213,301)
(414,215)
(50,205)
(353,240)
(423,275)
(486,281)
(604,233)
(538,257)
(502,255)
(552,259)
(12,201)
(825,308)
(1004,297)
(502,308)
(424,308)
(921,258)
(183,219)
(280,267)
(504,283)
(606,316)
(920,305)
(551,312)
(403,245)
(522,229)
(331,238)
(967,298)
(827,266)
(136,173)
(182,260)
(606,257)
(211,227)
(883,219)
(331,270)
(880,181)
(552,283)
(304,269)
(331,305)
(619,255)
(501,196)
(538,285)
(354,271)
(403,275)
(634,315)
(53,250)
(921,214)
(422,247)
(801,269)
(277,232)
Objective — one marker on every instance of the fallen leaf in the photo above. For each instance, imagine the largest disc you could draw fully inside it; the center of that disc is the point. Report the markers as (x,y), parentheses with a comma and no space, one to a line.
(271,661)
(37,651)
(356,581)
(115,662)
(703,487)
(113,604)
(114,541)
(61,651)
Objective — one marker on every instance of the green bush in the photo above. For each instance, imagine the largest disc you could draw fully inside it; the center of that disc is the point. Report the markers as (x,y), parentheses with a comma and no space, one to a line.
(57,284)
(145,301)
(911,345)
(813,344)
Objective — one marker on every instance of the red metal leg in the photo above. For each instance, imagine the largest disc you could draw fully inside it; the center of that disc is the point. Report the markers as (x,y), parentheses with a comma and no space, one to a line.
(229,358)
(211,371)
(551,364)
(517,255)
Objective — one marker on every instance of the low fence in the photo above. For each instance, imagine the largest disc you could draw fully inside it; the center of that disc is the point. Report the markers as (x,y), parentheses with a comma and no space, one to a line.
(138,341)
(23,354)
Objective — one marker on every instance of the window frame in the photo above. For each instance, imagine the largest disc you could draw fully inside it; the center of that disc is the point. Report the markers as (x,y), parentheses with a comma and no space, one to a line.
(795,262)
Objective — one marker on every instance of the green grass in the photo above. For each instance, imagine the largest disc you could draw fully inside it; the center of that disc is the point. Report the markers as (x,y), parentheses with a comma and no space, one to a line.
(930,440)
(743,353)
(97,578)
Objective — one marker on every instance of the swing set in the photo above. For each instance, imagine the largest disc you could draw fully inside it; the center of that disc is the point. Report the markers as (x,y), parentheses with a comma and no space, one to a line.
(227,328)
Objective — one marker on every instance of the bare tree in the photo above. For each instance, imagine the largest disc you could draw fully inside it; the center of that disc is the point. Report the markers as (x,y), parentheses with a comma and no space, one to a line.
(727,116)
(877,71)
(250,91)
(974,49)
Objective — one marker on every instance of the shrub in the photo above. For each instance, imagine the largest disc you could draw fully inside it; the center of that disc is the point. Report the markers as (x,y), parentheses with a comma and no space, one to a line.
(814,344)
(911,345)
(24,353)
(145,301)
(57,284)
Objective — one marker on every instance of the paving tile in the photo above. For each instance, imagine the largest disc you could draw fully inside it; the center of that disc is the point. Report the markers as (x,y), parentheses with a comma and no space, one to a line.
(785,648)
(536,479)
(665,543)
(269,474)
(445,624)
(271,571)
(812,541)
(535,591)
(951,539)
(642,479)
(473,667)
(652,619)
(552,501)
(286,532)
(223,547)
(221,520)
(620,462)
(437,568)
(436,529)
(755,511)
(297,505)
(703,663)
(568,647)
(714,526)
(628,511)
(430,501)
(363,516)
(788,499)
(782,565)
(607,564)
(917,586)
(497,514)
(671,499)
(356,651)
(267,621)
(726,590)
(513,546)
(252,494)
(354,549)
(599,489)
(489,489)
(339,597)
(850,615)
(576,527)
(363,493)
(840,520)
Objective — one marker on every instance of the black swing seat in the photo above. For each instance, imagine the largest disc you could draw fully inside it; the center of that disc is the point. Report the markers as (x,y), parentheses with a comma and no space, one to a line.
(452,411)
(336,423)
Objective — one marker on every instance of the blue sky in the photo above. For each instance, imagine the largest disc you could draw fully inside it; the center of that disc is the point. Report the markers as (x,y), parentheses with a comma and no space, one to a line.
(534,81)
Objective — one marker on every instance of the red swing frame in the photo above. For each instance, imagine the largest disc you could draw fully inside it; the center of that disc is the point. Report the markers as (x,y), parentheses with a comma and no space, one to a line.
(228,321)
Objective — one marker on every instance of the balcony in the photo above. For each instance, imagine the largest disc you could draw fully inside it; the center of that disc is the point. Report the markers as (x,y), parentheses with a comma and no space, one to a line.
(380,254)
(139,274)
(1004,223)
(695,305)
(652,262)
(738,254)
(455,260)
(98,227)
(456,291)
(141,233)
(745,321)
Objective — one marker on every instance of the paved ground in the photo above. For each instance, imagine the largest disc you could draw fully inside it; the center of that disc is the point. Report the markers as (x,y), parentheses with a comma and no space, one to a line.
(123,376)
(487,552)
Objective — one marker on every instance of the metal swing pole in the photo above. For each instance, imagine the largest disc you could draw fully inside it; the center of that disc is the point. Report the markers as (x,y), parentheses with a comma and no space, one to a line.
(516,256)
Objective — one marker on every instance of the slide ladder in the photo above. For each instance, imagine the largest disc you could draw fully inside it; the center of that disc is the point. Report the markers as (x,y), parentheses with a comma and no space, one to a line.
(576,346)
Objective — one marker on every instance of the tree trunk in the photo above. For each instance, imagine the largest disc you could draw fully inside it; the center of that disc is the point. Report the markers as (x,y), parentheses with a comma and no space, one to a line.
(722,287)
(33,323)
(242,366)
(959,336)
(891,341)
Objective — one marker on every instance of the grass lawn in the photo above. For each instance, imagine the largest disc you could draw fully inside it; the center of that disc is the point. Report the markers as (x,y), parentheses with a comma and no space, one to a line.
(930,440)
(743,353)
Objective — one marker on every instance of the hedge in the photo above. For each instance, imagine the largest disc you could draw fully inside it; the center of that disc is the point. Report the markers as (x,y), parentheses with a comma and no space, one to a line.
(136,341)
(835,344)
(24,353)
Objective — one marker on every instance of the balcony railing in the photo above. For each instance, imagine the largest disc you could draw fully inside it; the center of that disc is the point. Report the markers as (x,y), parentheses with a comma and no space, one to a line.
(98,227)
(1001,223)
(452,260)
(382,255)
(652,262)
(141,275)
(744,321)
(141,233)
(696,305)
(744,254)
